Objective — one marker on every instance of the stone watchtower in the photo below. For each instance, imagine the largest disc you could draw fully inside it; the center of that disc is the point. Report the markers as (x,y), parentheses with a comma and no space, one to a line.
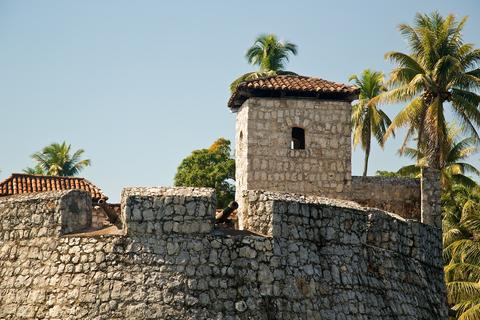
(293,134)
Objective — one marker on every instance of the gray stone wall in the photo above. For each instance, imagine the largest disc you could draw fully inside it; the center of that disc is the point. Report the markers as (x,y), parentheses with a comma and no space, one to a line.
(398,195)
(241,152)
(394,265)
(330,260)
(46,214)
(99,217)
(168,210)
(75,210)
(431,193)
(263,155)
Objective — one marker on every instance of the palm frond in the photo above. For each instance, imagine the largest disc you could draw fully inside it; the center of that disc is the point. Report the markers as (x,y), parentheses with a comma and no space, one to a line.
(461,270)
(462,290)
(405,116)
(472,313)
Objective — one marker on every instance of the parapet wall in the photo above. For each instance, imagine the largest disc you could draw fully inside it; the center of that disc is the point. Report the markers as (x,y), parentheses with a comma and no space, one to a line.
(322,261)
(164,211)
(311,218)
(392,194)
(47,214)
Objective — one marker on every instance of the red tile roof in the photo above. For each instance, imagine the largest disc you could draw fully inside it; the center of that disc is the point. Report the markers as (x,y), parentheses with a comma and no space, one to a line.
(291,85)
(19,183)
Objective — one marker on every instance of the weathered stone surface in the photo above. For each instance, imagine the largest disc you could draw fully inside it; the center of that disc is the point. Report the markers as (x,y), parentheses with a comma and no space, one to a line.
(397,195)
(325,259)
(168,210)
(431,192)
(44,214)
(265,161)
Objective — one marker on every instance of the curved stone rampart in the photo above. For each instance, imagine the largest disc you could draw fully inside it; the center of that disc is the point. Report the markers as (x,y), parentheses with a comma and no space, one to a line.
(322,261)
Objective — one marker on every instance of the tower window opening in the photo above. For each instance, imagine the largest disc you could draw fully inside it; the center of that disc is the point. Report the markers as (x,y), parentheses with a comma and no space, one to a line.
(298,139)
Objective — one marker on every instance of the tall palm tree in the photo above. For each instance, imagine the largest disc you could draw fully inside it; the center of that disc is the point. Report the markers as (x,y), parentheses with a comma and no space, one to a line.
(270,54)
(367,119)
(452,166)
(440,68)
(461,253)
(56,160)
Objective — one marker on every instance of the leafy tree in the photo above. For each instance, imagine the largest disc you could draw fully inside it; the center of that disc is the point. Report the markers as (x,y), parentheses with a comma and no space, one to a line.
(56,160)
(367,119)
(213,168)
(461,253)
(440,68)
(384,173)
(270,55)
(453,167)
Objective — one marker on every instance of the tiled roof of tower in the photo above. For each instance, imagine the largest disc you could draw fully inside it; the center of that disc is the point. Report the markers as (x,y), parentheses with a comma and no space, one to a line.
(19,183)
(291,85)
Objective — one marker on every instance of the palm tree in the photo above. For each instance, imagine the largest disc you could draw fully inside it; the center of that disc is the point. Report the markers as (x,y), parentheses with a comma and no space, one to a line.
(55,159)
(453,168)
(461,253)
(270,55)
(35,170)
(440,68)
(367,119)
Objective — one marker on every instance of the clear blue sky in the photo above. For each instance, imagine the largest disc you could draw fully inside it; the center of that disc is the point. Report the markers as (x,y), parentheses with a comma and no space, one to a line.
(140,84)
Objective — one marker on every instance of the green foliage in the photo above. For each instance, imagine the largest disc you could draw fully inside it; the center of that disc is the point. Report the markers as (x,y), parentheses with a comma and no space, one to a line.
(213,168)
(440,68)
(367,119)
(453,165)
(56,160)
(461,253)
(384,173)
(270,54)
(35,170)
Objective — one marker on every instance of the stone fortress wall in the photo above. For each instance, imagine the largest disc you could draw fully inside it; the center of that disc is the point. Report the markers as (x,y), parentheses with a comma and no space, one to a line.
(319,259)
(401,196)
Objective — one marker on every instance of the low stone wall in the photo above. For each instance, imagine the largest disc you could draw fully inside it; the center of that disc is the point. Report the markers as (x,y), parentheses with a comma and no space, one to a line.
(168,210)
(46,214)
(322,261)
(392,194)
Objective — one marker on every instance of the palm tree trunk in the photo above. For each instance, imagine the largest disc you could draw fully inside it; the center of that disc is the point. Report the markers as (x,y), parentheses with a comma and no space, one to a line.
(430,182)
(439,140)
(367,155)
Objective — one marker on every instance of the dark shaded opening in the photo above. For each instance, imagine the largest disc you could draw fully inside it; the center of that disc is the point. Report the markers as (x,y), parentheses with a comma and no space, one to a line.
(298,139)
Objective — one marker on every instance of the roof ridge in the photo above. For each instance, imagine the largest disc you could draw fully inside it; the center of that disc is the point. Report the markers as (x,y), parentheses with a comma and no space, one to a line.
(43,176)
(293,85)
(297,76)
(19,183)
(95,186)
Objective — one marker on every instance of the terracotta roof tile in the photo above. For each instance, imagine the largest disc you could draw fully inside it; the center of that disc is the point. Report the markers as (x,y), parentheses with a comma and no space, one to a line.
(292,85)
(19,183)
